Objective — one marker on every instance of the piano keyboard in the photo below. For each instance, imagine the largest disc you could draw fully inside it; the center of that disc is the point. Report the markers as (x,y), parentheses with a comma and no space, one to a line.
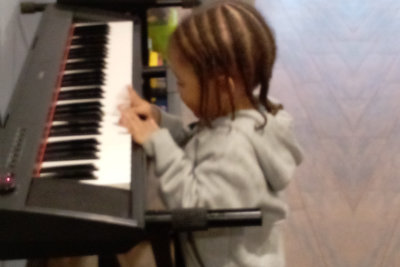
(84,142)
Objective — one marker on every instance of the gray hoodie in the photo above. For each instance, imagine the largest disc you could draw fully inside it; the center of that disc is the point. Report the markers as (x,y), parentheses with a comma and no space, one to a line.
(229,165)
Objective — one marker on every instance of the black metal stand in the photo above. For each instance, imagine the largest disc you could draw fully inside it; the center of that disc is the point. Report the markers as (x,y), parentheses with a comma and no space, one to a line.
(111,5)
(164,226)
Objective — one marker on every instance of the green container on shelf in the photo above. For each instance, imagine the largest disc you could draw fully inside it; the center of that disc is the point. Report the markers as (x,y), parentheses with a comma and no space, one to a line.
(161,24)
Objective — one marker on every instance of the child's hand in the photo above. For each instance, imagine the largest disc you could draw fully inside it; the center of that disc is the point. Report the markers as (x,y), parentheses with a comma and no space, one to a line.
(141,107)
(139,117)
(140,127)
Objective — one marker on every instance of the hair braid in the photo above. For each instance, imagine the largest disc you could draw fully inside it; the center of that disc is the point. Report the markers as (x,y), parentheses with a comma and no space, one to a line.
(240,46)
(241,49)
(225,53)
(270,47)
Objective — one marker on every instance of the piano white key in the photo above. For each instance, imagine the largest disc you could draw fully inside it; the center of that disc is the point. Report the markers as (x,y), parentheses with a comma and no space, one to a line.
(74,60)
(67,72)
(51,164)
(76,46)
(71,138)
(60,123)
(82,24)
(82,101)
(51,174)
(119,64)
(73,88)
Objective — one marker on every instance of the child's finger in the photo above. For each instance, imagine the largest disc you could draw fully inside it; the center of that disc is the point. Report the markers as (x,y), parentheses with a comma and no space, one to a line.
(123,120)
(134,97)
(128,119)
(134,117)
(123,107)
(125,114)
(142,111)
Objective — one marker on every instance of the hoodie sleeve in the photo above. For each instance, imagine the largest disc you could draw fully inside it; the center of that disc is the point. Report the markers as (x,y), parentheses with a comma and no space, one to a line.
(223,174)
(175,126)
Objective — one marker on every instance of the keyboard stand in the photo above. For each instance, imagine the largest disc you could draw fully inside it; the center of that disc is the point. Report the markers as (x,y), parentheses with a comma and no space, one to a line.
(162,227)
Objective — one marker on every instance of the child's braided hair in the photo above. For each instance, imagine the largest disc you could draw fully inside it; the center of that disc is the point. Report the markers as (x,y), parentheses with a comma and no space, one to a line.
(230,38)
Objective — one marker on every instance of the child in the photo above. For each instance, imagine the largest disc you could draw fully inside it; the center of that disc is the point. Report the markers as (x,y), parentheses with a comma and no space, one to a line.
(242,152)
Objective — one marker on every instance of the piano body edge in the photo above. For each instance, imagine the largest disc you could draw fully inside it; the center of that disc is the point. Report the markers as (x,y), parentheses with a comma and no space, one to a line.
(36,233)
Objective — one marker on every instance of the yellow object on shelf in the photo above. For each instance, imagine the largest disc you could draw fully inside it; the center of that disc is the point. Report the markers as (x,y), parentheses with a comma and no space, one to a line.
(153,59)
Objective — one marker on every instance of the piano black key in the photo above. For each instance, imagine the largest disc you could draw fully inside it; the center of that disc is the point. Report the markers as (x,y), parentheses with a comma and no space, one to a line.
(76,108)
(90,81)
(83,75)
(100,29)
(92,141)
(64,145)
(61,155)
(69,155)
(86,117)
(77,113)
(73,125)
(75,175)
(84,147)
(72,117)
(89,78)
(82,167)
(79,106)
(81,94)
(72,131)
(90,39)
(88,52)
(93,63)
(87,55)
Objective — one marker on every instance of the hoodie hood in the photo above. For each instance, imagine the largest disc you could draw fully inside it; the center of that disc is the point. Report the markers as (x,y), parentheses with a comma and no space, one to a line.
(276,147)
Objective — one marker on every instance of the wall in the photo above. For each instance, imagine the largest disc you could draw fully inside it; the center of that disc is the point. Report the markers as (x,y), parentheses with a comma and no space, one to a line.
(16,34)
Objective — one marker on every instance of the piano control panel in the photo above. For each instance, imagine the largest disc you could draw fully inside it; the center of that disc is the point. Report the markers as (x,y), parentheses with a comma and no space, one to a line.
(7,177)
(16,149)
